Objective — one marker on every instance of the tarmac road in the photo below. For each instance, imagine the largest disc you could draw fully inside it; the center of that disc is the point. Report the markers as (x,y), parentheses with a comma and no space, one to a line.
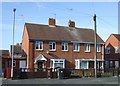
(105,80)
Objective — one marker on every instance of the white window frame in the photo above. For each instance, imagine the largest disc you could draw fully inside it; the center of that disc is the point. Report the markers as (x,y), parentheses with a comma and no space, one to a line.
(39,43)
(107,49)
(116,50)
(53,61)
(88,47)
(77,64)
(76,47)
(98,48)
(116,64)
(14,63)
(51,43)
(64,44)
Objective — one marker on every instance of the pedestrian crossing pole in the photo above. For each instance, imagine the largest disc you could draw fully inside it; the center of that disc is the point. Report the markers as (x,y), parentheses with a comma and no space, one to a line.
(95,44)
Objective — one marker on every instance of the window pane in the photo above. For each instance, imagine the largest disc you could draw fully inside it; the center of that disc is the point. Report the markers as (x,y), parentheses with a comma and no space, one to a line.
(84,65)
(53,45)
(59,65)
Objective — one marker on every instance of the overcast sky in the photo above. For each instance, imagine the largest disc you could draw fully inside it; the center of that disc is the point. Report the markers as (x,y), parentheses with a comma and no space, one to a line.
(39,12)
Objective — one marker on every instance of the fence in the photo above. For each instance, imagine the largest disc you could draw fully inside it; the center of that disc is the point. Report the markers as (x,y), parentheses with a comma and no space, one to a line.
(78,73)
(25,73)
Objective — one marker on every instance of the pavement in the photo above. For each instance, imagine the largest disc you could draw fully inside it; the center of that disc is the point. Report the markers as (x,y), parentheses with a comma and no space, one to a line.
(105,80)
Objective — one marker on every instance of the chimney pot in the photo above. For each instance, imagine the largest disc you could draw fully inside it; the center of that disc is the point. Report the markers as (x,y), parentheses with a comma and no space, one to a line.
(51,21)
(71,23)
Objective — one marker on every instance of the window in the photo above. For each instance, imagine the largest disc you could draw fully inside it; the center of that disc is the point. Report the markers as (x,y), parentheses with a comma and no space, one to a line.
(116,64)
(98,48)
(14,63)
(87,47)
(107,64)
(111,64)
(108,50)
(52,46)
(84,64)
(77,64)
(116,49)
(55,63)
(76,47)
(39,45)
(64,46)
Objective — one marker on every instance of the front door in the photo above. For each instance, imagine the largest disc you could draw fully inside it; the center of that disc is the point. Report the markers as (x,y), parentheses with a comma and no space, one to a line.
(40,66)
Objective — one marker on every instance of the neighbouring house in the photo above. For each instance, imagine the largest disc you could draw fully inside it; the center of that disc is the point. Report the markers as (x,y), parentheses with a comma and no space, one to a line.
(19,61)
(112,52)
(52,46)
(5,61)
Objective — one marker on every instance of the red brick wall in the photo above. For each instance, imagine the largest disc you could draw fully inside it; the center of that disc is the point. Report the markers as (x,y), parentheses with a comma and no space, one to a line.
(111,42)
(25,45)
(69,55)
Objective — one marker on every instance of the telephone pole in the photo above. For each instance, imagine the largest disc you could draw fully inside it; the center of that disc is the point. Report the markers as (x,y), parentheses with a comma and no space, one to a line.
(13,44)
(95,51)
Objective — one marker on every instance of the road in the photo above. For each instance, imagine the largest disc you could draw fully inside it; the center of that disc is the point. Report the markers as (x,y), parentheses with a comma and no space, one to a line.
(108,80)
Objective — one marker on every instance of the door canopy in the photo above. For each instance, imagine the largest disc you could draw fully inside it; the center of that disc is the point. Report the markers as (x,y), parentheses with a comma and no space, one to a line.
(40,58)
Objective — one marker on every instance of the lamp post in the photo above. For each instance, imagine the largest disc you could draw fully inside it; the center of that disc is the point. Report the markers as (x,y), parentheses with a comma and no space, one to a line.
(13,43)
(95,51)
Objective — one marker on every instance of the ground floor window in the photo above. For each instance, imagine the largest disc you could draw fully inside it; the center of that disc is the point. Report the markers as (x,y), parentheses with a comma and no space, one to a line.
(116,64)
(111,64)
(22,64)
(57,63)
(87,63)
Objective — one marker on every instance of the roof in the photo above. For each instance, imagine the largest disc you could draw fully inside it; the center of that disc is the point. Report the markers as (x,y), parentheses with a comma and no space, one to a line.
(17,49)
(117,36)
(4,52)
(60,33)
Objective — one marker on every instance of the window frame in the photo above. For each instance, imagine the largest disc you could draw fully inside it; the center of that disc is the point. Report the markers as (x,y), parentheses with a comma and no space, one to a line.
(64,44)
(40,43)
(57,61)
(98,48)
(116,50)
(51,43)
(106,51)
(76,45)
(88,45)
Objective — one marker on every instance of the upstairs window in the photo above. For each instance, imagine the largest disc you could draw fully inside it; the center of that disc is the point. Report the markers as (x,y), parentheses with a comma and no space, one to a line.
(64,46)
(87,47)
(52,46)
(39,45)
(76,47)
(98,48)
(108,50)
(116,49)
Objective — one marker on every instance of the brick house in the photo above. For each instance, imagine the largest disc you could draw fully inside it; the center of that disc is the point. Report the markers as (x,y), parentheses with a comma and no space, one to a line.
(52,46)
(19,61)
(5,61)
(112,51)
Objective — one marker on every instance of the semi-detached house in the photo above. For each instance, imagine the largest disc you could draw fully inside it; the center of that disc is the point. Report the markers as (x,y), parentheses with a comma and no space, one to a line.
(52,46)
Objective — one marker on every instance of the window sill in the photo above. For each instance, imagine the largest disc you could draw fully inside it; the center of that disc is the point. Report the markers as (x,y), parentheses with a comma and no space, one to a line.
(87,51)
(52,50)
(39,50)
(75,51)
(64,50)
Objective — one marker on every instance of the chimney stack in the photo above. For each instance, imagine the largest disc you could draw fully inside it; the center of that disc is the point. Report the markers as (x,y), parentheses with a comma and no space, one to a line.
(71,23)
(51,21)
